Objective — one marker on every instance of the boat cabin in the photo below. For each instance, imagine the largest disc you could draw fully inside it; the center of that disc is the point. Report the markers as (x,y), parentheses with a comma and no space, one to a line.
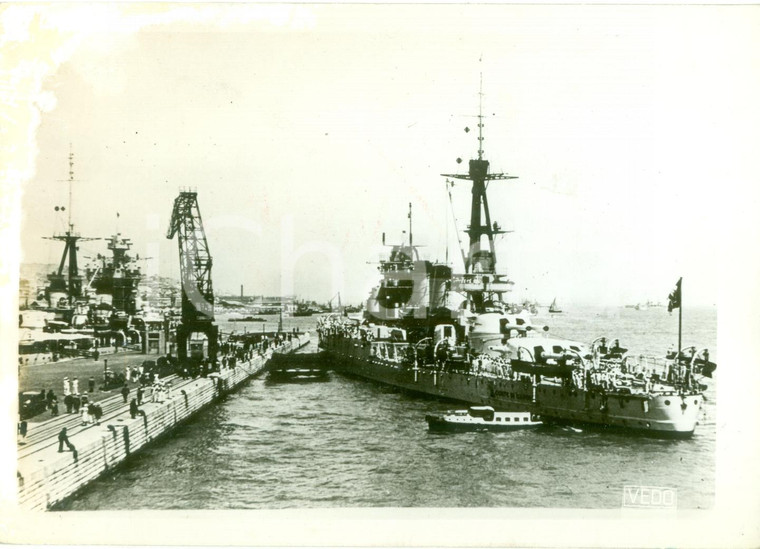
(485,412)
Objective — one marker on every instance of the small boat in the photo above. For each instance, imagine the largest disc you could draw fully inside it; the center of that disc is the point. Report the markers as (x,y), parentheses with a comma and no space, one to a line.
(481,418)
(295,374)
(554,308)
(246,319)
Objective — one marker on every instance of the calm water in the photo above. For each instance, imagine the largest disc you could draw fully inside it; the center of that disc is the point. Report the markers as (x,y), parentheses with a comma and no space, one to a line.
(350,443)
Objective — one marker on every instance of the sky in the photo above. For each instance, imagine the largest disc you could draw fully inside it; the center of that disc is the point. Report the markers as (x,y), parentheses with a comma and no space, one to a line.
(308,129)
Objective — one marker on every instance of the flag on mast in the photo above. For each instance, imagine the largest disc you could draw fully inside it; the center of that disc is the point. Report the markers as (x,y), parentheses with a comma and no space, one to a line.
(674,298)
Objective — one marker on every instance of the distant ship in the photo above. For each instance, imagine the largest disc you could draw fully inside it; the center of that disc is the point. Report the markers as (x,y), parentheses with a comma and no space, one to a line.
(302,309)
(554,308)
(645,306)
(429,330)
(249,318)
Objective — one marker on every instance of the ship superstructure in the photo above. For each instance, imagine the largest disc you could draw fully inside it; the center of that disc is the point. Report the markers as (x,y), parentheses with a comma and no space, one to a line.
(115,279)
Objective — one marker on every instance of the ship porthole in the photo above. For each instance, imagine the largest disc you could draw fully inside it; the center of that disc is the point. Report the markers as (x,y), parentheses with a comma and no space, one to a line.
(667,403)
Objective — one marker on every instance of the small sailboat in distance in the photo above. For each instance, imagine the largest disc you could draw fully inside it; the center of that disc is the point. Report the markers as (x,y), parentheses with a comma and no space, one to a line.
(554,308)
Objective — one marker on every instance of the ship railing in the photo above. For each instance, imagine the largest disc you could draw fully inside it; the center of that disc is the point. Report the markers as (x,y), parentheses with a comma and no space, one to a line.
(389,349)
(642,364)
(645,374)
(493,367)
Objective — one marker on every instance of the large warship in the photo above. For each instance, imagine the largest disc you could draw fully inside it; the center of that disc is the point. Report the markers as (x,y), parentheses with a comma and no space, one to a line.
(430,330)
(98,302)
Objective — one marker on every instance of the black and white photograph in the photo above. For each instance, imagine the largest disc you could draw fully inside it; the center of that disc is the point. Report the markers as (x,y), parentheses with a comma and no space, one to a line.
(380,274)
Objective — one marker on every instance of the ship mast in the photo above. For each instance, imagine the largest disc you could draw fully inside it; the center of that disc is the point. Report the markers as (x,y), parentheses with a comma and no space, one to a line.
(478,260)
(480,119)
(58,281)
(487,286)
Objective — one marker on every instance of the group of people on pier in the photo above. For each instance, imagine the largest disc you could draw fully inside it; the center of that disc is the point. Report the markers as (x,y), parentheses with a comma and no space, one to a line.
(150,379)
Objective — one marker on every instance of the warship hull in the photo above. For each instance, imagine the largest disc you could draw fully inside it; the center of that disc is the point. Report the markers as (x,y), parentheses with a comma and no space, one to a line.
(664,415)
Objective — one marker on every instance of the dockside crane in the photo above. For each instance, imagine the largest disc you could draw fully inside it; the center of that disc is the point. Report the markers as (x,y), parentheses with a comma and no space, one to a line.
(195,271)
(329,303)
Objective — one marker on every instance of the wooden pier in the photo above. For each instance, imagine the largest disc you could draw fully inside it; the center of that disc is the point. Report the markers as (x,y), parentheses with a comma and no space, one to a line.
(46,476)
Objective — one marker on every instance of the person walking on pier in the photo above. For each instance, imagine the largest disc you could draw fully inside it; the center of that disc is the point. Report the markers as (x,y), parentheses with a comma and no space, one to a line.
(54,407)
(63,438)
(75,386)
(91,384)
(85,415)
(133,408)
(66,387)
(22,429)
(140,391)
(125,392)
(77,402)
(97,412)
(68,401)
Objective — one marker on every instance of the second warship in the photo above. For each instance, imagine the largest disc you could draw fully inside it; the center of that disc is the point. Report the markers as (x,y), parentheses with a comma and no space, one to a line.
(430,330)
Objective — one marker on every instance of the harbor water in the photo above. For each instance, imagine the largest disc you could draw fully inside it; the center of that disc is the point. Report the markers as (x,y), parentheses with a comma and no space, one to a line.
(347,442)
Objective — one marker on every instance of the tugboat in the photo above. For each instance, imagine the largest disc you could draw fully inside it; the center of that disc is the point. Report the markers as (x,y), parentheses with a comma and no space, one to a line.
(429,330)
(481,418)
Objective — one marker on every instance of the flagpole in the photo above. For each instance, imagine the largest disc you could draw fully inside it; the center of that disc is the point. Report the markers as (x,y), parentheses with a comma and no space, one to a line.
(410,224)
(680,313)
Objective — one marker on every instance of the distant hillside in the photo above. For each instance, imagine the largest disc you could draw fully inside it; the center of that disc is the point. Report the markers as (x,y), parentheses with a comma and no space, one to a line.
(28,270)
(35,274)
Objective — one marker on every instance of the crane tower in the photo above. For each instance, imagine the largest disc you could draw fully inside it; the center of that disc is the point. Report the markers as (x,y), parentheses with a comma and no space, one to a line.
(195,271)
